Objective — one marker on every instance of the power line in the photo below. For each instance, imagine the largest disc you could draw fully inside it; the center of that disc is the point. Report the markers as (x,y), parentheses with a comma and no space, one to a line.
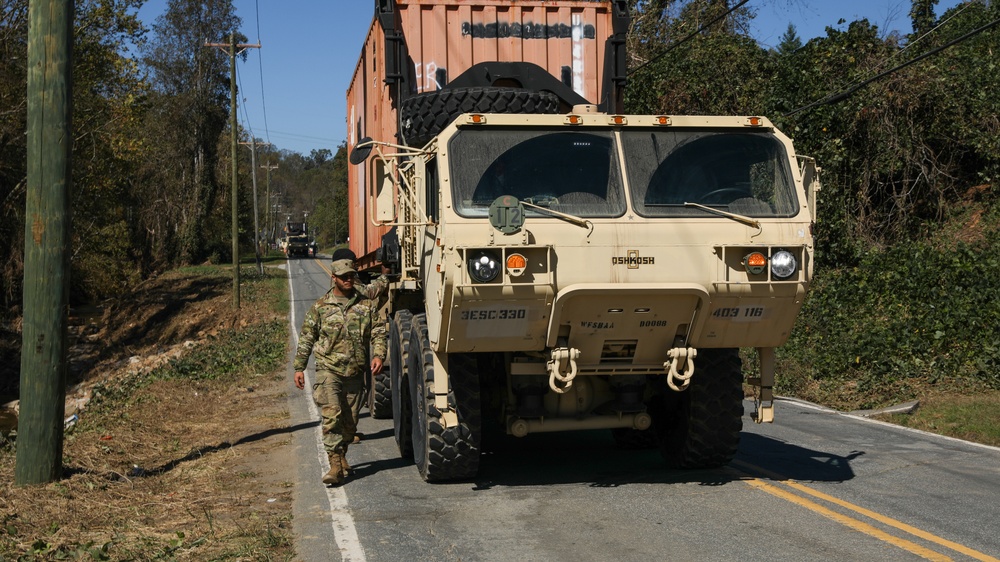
(850,91)
(909,45)
(260,63)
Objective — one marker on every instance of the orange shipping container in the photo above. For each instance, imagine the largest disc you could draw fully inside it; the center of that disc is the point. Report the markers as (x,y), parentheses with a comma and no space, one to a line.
(417,46)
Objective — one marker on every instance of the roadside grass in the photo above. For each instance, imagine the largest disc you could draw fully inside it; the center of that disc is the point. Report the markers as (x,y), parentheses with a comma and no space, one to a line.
(972,418)
(170,459)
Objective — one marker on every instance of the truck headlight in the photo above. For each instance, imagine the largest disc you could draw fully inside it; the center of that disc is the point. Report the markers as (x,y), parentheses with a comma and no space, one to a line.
(783,264)
(483,266)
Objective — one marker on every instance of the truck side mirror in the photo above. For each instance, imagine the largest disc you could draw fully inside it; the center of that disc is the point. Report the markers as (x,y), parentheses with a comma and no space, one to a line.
(810,180)
(361,151)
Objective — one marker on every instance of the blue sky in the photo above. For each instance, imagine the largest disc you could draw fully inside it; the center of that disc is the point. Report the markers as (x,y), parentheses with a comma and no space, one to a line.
(293,89)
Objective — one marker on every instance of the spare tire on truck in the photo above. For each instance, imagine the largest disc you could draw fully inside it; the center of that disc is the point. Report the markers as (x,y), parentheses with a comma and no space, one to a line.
(425,115)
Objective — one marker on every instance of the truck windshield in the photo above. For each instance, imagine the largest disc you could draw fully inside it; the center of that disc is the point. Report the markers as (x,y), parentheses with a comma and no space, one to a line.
(738,172)
(573,172)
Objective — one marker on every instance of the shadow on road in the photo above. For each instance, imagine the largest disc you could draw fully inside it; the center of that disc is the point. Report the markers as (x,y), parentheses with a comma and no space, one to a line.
(778,460)
(593,457)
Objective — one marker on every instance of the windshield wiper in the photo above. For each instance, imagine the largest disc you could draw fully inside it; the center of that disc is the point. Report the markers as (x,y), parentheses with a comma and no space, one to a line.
(566,217)
(738,218)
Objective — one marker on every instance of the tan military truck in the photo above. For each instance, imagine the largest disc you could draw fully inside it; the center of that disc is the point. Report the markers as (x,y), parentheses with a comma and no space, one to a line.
(575,268)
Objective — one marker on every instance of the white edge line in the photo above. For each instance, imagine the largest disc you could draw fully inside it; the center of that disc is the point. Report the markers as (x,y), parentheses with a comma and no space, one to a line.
(344,530)
(811,406)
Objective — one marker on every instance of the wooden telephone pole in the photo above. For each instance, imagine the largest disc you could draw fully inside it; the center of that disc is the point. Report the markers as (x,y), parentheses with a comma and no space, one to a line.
(256,225)
(269,221)
(231,47)
(46,242)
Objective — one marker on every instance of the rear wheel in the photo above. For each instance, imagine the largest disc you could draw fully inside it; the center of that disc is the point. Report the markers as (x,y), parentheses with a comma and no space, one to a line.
(700,427)
(399,355)
(425,115)
(443,453)
(380,393)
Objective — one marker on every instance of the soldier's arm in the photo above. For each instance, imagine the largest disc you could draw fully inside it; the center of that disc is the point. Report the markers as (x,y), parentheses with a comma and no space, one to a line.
(377,290)
(379,344)
(307,338)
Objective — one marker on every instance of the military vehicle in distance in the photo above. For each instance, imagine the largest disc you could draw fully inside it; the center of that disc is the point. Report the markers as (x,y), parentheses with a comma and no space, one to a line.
(296,241)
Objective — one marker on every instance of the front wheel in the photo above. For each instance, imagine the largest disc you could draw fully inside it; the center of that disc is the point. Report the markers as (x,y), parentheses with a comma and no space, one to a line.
(440,452)
(700,427)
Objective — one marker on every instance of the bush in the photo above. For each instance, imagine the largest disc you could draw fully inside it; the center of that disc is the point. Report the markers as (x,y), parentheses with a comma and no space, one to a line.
(910,312)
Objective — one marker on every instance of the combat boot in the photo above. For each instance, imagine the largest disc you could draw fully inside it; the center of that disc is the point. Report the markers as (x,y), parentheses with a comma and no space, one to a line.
(345,468)
(336,473)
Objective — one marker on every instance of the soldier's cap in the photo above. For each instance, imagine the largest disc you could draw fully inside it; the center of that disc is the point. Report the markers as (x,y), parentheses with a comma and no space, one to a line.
(343,254)
(343,267)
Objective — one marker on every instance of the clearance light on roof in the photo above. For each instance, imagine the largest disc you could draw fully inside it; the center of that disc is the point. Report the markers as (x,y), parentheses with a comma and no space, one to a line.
(574,120)
(662,120)
(755,262)
(477,119)
(755,121)
(516,264)
(618,120)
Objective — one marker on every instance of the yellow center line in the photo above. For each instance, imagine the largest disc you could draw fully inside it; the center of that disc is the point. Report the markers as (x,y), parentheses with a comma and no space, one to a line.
(853,523)
(847,521)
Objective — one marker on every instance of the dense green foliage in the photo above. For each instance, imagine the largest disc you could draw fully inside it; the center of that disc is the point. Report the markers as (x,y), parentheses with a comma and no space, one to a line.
(900,156)
(911,311)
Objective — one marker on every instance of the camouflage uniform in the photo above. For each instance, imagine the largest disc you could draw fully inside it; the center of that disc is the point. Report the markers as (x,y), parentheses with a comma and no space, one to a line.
(377,290)
(339,330)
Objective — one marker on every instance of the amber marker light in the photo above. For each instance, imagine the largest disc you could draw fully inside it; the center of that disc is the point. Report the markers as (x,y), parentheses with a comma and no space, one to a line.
(574,119)
(516,264)
(477,119)
(618,120)
(755,262)
(755,121)
(662,120)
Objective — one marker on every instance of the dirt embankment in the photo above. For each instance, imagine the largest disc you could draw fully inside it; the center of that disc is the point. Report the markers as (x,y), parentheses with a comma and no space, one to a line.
(187,469)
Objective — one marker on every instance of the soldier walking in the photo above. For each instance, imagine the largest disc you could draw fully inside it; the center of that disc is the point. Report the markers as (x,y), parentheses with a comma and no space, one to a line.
(341,327)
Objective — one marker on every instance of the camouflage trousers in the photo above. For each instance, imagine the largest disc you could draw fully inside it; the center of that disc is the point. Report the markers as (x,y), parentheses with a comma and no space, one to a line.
(339,399)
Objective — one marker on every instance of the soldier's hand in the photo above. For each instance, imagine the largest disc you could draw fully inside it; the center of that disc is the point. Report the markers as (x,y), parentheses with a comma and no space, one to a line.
(376,366)
(300,380)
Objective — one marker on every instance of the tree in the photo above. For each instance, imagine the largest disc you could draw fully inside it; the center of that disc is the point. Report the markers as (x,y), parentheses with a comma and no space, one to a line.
(790,41)
(13,148)
(190,110)
(922,16)
(330,215)
(696,58)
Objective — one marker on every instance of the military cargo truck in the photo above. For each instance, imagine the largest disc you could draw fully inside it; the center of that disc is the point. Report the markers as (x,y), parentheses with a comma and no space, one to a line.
(557,264)
(296,240)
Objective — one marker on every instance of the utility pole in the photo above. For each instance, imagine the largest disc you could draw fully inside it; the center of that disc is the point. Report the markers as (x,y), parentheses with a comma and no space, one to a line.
(256,225)
(269,226)
(46,242)
(232,46)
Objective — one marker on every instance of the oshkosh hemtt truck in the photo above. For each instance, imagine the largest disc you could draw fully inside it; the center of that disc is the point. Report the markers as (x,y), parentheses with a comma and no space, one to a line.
(559,265)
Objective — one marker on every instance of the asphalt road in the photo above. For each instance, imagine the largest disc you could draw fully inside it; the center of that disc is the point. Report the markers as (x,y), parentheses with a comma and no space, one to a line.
(814,485)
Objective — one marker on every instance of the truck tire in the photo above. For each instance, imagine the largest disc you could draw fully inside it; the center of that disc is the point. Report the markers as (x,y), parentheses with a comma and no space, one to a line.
(700,427)
(399,356)
(380,393)
(425,115)
(443,453)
